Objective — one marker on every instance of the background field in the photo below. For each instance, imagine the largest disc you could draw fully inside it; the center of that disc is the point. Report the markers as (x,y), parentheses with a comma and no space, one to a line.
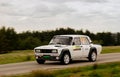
(110,49)
(17,56)
(28,55)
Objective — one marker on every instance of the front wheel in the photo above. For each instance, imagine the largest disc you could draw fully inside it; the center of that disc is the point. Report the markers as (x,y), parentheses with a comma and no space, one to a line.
(40,61)
(65,59)
(92,56)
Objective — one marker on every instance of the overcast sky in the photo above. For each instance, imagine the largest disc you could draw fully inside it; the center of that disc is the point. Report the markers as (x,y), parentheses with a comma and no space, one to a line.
(94,15)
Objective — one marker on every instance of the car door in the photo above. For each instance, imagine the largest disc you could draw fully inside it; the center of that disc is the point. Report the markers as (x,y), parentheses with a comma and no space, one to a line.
(77,52)
(85,46)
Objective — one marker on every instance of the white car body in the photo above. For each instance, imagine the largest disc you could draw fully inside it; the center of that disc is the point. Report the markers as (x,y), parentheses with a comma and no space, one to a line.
(80,47)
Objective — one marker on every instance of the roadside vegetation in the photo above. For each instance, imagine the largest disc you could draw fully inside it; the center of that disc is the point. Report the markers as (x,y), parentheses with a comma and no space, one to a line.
(10,40)
(17,56)
(28,55)
(96,70)
(110,49)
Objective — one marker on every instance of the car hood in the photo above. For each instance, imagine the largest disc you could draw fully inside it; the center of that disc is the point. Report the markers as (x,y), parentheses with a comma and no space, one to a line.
(50,46)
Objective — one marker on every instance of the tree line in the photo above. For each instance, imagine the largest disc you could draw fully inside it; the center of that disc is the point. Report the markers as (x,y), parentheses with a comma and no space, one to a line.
(11,40)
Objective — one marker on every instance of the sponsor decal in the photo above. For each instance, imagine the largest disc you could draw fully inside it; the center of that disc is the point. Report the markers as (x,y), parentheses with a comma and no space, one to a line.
(76,48)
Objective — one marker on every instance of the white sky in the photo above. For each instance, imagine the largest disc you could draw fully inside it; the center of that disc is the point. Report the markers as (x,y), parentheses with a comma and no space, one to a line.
(94,15)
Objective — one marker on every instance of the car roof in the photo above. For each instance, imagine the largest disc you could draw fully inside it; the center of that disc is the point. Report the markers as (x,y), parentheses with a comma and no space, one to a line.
(74,35)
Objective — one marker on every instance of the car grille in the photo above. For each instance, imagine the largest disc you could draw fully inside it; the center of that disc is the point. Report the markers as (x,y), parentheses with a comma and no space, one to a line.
(46,51)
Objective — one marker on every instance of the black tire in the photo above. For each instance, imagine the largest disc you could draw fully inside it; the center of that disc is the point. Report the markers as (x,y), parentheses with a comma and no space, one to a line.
(40,61)
(92,56)
(65,58)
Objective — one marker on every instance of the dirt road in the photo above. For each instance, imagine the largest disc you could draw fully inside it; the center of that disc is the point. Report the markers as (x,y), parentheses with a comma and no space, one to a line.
(24,67)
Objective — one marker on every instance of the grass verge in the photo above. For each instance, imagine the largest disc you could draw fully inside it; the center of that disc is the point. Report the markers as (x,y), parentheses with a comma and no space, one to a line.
(96,70)
(17,56)
(110,49)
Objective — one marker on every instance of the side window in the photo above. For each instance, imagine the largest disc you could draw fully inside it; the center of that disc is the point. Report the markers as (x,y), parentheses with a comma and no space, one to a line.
(84,40)
(77,41)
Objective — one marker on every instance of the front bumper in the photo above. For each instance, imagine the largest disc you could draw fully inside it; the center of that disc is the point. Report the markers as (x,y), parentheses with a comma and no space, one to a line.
(52,57)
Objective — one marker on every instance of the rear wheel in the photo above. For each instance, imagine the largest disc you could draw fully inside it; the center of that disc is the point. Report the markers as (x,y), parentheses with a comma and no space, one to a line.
(92,56)
(39,61)
(65,59)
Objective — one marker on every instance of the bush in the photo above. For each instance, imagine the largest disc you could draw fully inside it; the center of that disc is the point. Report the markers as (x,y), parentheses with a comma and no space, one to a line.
(41,74)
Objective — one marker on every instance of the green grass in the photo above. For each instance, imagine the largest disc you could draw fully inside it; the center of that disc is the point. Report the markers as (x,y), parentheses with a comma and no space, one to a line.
(28,55)
(110,49)
(96,70)
(17,56)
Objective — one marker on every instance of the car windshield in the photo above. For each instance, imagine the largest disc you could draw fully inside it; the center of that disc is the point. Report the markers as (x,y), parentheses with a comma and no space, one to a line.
(62,40)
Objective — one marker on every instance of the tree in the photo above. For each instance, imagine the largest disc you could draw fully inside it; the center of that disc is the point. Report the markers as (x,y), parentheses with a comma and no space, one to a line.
(29,43)
(8,39)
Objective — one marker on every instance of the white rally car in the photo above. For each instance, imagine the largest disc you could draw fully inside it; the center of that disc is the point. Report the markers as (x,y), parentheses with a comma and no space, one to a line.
(65,48)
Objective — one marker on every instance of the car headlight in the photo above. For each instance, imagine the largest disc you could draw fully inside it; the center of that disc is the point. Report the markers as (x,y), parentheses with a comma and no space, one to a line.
(54,51)
(37,51)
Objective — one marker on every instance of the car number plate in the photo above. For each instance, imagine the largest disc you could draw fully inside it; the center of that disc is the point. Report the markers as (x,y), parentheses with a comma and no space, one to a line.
(46,57)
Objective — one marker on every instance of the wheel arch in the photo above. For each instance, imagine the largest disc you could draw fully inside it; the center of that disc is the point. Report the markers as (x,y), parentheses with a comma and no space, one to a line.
(65,51)
(93,49)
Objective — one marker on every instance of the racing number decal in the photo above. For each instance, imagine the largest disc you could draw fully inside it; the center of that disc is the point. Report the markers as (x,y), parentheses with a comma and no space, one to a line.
(76,48)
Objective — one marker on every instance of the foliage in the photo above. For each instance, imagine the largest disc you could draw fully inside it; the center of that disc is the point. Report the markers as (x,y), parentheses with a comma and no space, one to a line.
(28,43)
(10,40)
(110,49)
(17,56)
